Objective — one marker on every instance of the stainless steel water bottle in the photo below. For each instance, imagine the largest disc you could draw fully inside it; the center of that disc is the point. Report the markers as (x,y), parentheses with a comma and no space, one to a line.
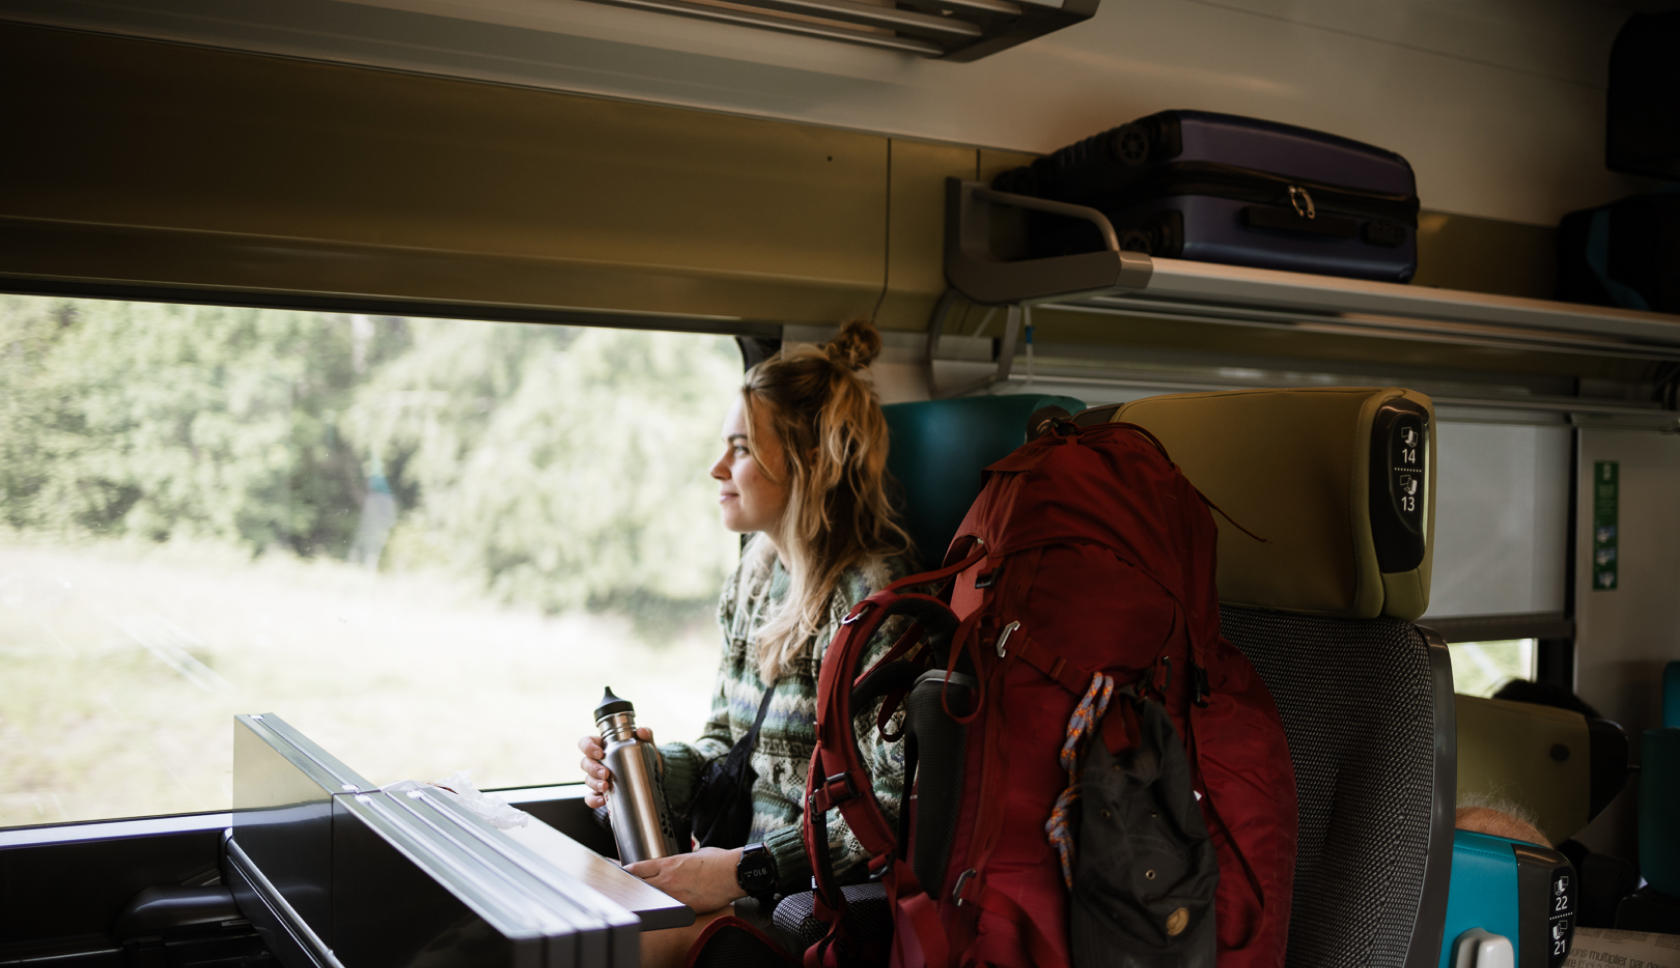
(636,800)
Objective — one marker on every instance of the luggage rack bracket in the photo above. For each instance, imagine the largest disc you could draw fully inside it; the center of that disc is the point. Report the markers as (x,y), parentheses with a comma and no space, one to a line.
(976,272)
(974,269)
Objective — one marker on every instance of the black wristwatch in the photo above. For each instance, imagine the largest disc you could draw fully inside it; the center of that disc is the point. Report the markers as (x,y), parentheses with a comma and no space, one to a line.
(756,872)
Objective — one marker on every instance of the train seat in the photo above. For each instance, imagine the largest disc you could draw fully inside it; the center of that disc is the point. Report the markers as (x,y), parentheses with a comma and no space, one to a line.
(938,449)
(1656,907)
(1659,819)
(1339,482)
(1555,759)
(1518,894)
(1558,764)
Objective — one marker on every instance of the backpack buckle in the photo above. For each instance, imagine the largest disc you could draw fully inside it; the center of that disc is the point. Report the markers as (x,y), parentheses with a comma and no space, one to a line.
(962,882)
(880,866)
(858,612)
(1199,687)
(829,797)
(1163,675)
(1003,638)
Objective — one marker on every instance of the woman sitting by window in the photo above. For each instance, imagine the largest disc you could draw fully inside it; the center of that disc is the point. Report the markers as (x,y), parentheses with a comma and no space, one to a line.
(804,472)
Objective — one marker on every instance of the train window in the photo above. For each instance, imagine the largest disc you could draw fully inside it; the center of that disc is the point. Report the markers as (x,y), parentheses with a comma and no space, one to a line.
(1480,668)
(1501,520)
(428,544)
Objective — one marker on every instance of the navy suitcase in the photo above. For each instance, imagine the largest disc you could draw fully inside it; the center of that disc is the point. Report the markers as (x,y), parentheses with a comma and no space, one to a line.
(1221,188)
(1623,254)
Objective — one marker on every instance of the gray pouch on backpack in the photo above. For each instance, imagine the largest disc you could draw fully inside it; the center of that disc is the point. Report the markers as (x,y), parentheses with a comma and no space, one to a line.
(1145,873)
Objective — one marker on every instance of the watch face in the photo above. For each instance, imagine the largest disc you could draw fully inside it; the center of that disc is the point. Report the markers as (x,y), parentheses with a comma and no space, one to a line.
(753,872)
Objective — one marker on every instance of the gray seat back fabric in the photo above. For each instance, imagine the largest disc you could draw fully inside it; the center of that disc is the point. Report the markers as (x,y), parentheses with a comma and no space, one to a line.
(868,918)
(1368,709)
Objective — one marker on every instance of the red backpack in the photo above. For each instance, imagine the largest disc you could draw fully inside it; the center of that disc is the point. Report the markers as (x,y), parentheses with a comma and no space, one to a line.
(1086,552)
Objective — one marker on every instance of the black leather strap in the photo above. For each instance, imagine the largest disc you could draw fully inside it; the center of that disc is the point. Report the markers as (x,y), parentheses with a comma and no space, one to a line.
(751,739)
(722,811)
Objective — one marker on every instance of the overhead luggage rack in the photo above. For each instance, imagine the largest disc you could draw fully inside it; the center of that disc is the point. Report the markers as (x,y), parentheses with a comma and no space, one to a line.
(955,30)
(1236,295)
(1115,281)
(1131,284)
(1527,343)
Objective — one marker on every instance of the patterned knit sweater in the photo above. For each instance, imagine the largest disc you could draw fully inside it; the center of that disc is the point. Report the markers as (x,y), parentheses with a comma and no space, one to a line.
(782,755)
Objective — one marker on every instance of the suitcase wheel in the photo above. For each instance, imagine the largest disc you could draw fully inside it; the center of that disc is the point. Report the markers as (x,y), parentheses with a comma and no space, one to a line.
(1129,145)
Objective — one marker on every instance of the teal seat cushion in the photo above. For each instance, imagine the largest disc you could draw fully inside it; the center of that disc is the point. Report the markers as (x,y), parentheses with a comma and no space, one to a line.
(1659,809)
(938,449)
(1483,892)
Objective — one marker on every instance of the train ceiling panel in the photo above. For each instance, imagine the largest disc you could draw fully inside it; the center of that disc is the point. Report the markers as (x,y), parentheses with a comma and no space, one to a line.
(955,30)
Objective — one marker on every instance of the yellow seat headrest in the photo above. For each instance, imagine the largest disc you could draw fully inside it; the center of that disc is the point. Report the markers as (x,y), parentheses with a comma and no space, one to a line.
(1538,757)
(1340,481)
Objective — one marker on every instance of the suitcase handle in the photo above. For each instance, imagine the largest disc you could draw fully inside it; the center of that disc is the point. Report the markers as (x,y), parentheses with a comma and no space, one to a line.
(1292,220)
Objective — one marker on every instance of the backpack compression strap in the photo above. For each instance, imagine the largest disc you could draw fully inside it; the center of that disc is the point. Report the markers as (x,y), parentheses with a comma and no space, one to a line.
(838,778)
(836,743)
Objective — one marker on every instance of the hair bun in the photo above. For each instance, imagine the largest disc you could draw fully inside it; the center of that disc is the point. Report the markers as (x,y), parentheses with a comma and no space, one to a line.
(856,345)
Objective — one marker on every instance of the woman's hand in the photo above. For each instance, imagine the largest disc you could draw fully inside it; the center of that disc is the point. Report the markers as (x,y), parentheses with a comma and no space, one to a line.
(704,880)
(596,776)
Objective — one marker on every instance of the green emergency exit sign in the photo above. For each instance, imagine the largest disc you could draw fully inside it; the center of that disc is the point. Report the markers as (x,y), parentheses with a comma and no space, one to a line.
(1606,482)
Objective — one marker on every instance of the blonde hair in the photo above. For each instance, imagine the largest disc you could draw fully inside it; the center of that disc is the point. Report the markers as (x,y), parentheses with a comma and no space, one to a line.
(834,438)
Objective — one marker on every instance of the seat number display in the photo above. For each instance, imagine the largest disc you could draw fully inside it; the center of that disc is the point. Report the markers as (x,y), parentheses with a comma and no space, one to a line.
(1406,470)
(1399,491)
(1560,926)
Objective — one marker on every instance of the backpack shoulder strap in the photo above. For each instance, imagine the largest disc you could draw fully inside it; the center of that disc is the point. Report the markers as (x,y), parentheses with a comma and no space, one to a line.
(838,778)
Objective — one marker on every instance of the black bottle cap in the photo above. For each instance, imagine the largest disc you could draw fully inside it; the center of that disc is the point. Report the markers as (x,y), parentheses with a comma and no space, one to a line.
(612,704)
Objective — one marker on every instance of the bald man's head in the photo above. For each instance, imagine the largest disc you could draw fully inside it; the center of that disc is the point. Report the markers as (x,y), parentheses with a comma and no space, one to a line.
(1499,823)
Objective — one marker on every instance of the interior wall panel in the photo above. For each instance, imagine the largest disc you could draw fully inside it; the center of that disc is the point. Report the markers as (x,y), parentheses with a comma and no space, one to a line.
(1501,519)
(1486,255)
(1625,635)
(915,243)
(1499,104)
(185,166)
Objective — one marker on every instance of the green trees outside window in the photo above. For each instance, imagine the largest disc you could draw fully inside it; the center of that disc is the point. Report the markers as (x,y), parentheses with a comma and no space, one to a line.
(193,499)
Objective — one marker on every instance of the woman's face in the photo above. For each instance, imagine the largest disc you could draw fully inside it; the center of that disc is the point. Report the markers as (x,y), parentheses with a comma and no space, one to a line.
(751,501)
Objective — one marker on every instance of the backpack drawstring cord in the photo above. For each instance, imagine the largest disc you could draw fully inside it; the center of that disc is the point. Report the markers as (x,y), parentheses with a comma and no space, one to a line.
(1080,726)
